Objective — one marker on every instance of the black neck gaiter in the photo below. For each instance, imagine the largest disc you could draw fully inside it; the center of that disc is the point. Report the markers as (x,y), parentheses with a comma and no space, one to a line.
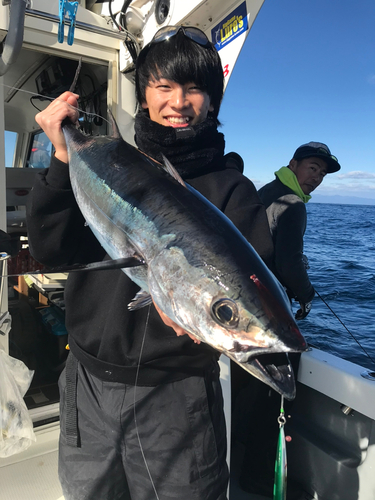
(191,150)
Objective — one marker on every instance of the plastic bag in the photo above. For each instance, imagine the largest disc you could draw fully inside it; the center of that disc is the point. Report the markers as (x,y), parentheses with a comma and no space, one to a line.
(16,426)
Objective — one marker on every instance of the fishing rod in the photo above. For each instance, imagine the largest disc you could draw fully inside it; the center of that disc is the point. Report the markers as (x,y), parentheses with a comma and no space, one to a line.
(346,328)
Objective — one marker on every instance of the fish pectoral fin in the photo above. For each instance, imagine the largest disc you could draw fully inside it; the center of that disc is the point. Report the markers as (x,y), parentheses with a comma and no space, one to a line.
(172,171)
(142,299)
(122,263)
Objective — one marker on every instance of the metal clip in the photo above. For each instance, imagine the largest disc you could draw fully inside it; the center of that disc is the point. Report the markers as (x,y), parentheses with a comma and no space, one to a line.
(67,9)
(281,420)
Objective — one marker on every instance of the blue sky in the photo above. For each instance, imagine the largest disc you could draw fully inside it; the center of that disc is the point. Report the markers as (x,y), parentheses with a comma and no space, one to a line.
(306,73)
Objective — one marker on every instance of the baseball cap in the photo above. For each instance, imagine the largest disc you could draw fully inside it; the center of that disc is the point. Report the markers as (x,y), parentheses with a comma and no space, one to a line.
(321,151)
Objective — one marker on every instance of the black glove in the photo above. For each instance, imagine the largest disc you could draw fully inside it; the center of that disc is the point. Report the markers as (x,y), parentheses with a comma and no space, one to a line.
(304,311)
(305,261)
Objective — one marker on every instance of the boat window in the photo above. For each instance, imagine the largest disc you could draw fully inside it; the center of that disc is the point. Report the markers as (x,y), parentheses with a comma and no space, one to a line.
(10,147)
(40,151)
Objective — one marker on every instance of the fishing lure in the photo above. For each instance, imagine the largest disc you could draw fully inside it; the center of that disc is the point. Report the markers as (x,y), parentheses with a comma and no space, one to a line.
(280,483)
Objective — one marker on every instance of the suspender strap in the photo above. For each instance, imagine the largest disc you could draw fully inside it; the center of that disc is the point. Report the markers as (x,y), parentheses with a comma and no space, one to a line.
(71,424)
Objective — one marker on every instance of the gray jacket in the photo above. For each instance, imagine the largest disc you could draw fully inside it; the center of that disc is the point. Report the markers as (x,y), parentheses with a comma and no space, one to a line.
(287,219)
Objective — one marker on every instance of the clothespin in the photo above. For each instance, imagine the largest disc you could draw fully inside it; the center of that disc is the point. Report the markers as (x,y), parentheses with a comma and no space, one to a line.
(67,9)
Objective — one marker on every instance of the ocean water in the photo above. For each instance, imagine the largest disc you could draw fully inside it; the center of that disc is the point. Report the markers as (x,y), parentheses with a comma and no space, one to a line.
(340,245)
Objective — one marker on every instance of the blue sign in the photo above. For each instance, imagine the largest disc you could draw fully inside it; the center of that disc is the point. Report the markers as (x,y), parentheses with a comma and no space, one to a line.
(230,27)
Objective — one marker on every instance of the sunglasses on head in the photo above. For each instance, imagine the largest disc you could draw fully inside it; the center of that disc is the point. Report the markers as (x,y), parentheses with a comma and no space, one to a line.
(194,34)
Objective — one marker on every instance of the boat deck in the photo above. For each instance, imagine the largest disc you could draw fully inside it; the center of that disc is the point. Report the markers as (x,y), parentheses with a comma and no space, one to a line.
(33,475)
(32,479)
(40,482)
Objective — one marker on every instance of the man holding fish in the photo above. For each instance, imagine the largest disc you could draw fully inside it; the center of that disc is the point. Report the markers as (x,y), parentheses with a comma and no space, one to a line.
(141,407)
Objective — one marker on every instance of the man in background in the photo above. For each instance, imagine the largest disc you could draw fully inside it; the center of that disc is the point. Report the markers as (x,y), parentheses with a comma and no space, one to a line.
(285,199)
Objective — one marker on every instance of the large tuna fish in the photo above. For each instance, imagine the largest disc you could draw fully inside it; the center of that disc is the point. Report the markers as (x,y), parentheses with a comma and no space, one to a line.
(198,268)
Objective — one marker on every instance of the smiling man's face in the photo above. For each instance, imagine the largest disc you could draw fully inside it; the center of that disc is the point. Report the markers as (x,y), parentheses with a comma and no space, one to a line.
(175,105)
(310,172)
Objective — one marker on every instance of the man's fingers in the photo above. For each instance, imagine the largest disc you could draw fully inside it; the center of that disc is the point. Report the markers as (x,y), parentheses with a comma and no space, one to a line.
(177,328)
(50,119)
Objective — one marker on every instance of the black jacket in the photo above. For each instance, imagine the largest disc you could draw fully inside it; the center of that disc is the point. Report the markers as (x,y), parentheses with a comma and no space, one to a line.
(103,334)
(287,219)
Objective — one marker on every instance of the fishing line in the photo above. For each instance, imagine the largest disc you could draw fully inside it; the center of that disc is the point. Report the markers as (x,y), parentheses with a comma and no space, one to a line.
(134,404)
(347,329)
(35,94)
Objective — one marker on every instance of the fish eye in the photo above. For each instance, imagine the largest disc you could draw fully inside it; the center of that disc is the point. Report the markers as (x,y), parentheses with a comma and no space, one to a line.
(225,312)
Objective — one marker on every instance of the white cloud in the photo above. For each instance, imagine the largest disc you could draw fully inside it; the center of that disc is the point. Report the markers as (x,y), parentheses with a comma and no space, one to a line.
(357,189)
(356,174)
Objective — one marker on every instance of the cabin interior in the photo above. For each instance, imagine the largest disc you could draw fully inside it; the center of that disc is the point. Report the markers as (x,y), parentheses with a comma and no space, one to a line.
(36,304)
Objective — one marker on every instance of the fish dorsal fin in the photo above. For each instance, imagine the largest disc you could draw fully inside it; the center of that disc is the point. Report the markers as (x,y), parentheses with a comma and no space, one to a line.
(172,171)
(115,131)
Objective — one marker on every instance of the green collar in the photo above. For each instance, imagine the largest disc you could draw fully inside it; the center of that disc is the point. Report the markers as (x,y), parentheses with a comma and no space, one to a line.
(288,178)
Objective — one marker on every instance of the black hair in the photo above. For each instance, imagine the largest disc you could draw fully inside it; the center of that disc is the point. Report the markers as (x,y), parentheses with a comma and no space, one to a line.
(181,60)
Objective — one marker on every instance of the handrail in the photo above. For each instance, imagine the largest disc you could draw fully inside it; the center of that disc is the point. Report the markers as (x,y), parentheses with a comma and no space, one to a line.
(14,38)
(98,30)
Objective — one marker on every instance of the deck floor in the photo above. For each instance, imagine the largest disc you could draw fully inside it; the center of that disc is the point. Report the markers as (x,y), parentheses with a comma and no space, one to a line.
(34,475)
(32,479)
(40,482)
